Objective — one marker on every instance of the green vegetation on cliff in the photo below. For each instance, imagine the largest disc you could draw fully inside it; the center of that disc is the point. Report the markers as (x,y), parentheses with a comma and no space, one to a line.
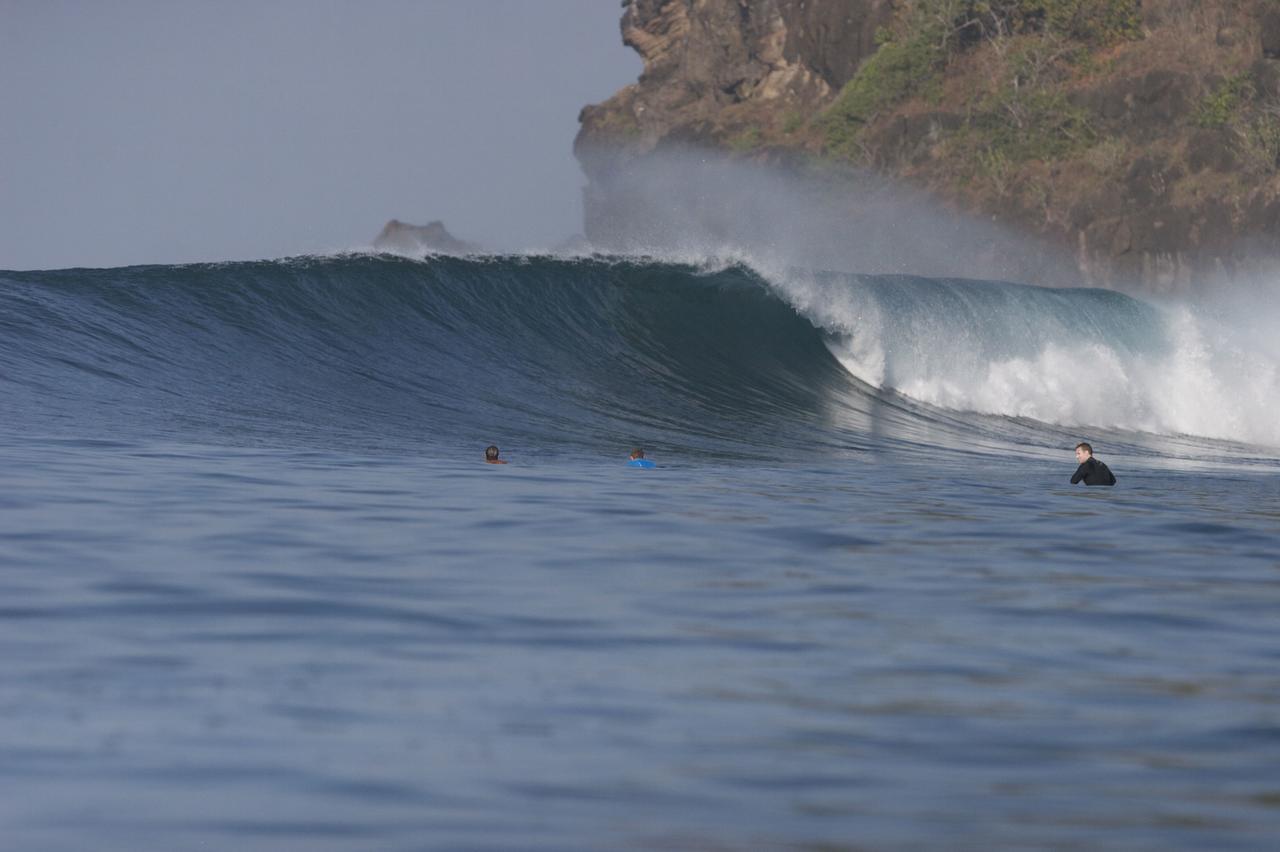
(1237,108)
(907,63)
(1019,109)
(1220,107)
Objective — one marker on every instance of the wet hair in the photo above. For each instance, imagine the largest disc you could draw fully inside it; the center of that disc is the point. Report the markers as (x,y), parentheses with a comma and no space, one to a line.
(490,452)
(1088,449)
(637,453)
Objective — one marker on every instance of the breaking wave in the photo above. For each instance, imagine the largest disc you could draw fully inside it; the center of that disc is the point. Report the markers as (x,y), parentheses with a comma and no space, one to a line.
(571,354)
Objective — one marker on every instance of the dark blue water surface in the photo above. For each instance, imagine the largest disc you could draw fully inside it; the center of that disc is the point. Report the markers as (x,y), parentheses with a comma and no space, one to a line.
(257,590)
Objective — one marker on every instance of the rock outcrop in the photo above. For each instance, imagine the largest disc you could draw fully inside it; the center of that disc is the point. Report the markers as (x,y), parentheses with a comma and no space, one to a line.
(1159,167)
(434,237)
(710,66)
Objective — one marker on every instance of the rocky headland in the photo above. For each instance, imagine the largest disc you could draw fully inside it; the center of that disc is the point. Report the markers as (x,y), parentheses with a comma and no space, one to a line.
(1138,140)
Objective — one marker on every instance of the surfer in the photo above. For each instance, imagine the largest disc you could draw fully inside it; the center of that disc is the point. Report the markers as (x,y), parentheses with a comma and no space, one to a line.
(491,455)
(1091,471)
(638,460)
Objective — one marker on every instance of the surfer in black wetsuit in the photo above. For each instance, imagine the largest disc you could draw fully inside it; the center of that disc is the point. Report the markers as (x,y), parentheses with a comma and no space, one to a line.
(1091,471)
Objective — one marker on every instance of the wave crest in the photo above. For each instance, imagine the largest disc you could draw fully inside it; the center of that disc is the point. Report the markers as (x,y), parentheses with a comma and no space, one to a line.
(717,354)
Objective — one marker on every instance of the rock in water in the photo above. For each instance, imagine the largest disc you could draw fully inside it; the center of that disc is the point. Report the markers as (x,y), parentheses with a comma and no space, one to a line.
(432,237)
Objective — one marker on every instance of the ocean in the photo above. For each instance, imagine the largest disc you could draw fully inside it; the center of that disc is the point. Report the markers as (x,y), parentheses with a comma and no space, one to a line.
(260,591)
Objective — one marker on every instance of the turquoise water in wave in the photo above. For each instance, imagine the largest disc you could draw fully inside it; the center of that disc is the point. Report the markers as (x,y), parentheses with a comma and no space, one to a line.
(260,592)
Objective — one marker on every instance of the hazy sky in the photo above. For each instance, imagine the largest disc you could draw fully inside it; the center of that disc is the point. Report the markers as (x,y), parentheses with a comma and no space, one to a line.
(158,132)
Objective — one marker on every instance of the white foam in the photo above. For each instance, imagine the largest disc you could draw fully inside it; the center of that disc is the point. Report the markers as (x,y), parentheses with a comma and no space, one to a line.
(1203,383)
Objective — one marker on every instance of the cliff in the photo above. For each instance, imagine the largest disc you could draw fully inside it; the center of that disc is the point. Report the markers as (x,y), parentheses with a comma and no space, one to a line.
(1139,140)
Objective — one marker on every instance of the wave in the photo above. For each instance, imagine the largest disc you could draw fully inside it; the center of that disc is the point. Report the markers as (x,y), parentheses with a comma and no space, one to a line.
(1072,357)
(570,354)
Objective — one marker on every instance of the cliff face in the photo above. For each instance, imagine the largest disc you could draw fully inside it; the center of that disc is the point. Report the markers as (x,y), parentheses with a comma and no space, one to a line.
(714,68)
(1143,142)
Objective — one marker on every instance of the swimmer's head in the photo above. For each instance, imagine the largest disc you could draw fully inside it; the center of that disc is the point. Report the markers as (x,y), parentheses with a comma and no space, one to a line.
(490,453)
(637,453)
(1084,452)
